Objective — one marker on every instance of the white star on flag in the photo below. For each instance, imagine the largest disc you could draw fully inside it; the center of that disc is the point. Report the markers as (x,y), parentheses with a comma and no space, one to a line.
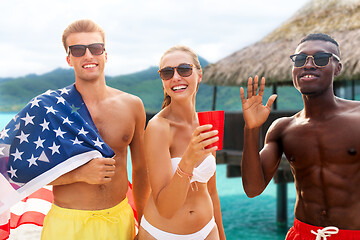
(59,132)
(12,172)
(98,143)
(23,137)
(35,102)
(48,92)
(17,127)
(17,155)
(54,148)
(28,119)
(45,125)
(64,91)
(32,160)
(82,131)
(3,133)
(66,120)
(76,141)
(50,109)
(15,117)
(60,100)
(39,142)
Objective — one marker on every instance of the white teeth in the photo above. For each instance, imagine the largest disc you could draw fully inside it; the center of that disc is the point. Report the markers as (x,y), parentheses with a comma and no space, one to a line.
(179,87)
(309,76)
(90,66)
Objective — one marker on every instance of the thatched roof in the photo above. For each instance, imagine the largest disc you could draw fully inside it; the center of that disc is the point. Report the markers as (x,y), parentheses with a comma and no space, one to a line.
(270,56)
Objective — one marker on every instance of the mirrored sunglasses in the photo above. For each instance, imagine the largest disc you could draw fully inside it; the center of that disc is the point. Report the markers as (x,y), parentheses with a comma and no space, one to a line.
(184,70)
(80,50)
(320,59)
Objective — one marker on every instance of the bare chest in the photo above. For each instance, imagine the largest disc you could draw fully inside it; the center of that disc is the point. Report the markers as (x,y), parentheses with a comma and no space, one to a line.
(331,142)
(116,125)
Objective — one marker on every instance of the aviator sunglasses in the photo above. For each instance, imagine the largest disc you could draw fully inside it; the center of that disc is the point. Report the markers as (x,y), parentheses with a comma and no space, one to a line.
(320,59)
(184,70)
(80,50)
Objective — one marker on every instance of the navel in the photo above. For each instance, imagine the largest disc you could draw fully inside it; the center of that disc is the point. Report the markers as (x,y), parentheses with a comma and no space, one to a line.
(101,187)
(323,213)
(291,159)
(352,151)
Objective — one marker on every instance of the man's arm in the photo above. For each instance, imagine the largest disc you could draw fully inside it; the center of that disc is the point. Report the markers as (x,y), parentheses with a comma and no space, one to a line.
(96,171)
(255,167)
(141,186)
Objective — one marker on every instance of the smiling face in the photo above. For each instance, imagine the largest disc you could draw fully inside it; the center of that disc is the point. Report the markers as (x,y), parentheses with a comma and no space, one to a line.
(312,80)
(178,87)
(88,67)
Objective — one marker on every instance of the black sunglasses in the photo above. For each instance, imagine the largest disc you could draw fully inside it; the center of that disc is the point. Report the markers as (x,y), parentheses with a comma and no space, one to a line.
(80,50)
(320,59)
(184,70)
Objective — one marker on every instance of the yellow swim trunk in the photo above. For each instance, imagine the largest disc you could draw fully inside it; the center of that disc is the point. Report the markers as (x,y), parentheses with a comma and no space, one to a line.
(70,224)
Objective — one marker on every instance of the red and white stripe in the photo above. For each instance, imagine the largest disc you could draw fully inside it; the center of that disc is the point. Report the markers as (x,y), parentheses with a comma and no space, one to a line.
(32,210)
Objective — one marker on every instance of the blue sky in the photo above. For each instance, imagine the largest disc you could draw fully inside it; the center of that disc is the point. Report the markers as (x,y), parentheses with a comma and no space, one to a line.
(137,31)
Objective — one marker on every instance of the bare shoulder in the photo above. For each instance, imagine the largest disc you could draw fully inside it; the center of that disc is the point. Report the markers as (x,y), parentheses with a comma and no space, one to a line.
(282,123)
(158,125)
(128,98)
(279,127)
(349,105)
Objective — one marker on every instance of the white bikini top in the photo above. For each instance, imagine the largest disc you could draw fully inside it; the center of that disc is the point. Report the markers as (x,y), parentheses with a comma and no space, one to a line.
(201,173)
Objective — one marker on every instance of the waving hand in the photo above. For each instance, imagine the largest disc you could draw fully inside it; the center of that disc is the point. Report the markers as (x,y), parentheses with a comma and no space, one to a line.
(255,113)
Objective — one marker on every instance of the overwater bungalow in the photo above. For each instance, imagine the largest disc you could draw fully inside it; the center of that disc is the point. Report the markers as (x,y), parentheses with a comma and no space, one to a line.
(269,57)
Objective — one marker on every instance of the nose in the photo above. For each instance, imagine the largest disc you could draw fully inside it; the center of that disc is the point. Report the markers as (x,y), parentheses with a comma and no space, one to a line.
(88,54)
(309,63)
(176,75)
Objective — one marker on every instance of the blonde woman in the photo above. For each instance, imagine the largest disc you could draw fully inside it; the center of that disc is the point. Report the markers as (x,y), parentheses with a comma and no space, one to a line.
(184,202)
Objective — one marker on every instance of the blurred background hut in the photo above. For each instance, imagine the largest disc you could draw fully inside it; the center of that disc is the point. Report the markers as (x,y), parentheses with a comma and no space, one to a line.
(269,57)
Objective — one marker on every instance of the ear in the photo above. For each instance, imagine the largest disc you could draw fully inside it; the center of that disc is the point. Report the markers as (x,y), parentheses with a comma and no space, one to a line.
(338,69)
(200,76)
(105,56)
(68,61)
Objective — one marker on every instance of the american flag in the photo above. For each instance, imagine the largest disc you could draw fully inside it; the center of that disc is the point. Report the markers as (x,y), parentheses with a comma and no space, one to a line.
(51,136)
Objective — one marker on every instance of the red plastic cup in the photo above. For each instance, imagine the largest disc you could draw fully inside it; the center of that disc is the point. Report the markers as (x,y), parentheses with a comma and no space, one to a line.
(215,118)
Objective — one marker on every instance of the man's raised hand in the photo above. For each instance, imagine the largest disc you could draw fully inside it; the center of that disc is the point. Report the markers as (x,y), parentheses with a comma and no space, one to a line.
(254,112)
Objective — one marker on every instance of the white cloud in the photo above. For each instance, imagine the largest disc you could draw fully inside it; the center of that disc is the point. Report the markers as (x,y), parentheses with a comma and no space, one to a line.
(137,32)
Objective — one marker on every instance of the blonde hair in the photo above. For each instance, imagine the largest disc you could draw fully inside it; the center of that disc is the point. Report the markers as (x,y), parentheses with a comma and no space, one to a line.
(195,59)
(84,25)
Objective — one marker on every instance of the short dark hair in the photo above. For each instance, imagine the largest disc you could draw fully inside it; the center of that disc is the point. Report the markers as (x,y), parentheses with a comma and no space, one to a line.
(319,36)
(322,37)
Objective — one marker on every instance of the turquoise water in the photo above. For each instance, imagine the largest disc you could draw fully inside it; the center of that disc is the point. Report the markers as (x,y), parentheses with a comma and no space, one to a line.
(243,218)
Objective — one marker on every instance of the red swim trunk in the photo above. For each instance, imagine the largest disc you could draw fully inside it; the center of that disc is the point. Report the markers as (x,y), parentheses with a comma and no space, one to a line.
(303,231)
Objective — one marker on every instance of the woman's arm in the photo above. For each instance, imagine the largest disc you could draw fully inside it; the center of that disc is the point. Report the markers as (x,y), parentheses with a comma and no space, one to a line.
(216,206)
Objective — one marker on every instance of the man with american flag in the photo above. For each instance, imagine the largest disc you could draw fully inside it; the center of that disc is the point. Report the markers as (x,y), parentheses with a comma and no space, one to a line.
(76,139)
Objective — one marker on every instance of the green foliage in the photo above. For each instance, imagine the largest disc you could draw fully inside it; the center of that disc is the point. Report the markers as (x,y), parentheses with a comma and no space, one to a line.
(15,93)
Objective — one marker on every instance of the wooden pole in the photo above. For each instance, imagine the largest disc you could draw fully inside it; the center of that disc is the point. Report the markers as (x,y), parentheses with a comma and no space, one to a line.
(275,92)
(214,98)
(281,199)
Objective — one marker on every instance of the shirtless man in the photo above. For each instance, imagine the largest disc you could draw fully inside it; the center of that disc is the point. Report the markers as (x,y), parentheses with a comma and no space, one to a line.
(321,143)
(99,187)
